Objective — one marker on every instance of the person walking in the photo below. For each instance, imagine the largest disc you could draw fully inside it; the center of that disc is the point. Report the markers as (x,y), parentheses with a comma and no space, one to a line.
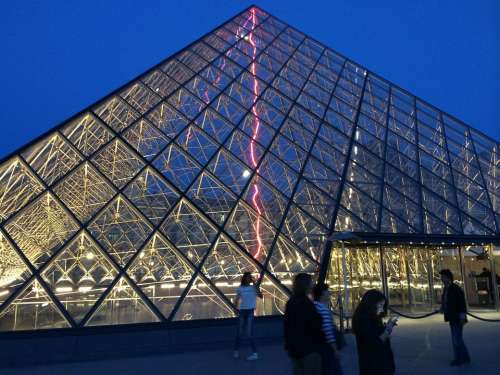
(375,354)
(455,312)
(246,301)
(302,329)
(329,354)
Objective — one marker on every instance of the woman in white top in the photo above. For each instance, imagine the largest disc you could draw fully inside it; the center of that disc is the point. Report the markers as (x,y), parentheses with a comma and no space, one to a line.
(246,300)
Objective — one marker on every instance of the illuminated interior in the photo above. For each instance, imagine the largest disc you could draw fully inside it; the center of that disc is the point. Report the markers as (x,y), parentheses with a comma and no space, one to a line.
(245,151)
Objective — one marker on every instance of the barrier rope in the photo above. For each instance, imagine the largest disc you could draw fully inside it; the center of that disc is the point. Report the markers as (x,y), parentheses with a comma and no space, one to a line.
(413,316)
(484,319)
(423,316)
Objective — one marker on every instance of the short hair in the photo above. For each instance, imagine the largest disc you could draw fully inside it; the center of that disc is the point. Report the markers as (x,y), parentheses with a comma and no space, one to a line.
(301,284)
(446,273)
(318,290)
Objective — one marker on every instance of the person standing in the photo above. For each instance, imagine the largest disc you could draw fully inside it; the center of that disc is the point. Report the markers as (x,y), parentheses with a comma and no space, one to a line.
(329,354)
(246,301)
(455,312)
(375,354)
(302,329)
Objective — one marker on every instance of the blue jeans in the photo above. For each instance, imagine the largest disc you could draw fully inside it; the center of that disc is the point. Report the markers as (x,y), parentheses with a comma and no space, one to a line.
(459,349)
(245,320)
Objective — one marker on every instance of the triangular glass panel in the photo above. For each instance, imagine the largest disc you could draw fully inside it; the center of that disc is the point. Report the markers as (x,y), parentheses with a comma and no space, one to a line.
(274,297)
(161,272)
(84,191)
(87,133)
(116,113)
(177,166)
(225,266)
(41,228)
(120,229)
(189,231)
(286,261)
(78,275)
(13,271)
(145,138)
(203,302)
(17,187)
(152,195)
(305,232)
(266,200)
(250,230)
(122,306)
(214,199)
(167,119)
(52,158)
(32,309)
(196,144)
(230,170)
(118,162)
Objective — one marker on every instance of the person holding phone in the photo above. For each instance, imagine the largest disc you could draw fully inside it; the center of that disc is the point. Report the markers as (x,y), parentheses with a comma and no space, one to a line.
(373,342)
(246,301)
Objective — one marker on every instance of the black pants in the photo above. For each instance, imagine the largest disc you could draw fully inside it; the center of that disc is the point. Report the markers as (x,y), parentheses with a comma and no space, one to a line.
(460,351)
(331,364)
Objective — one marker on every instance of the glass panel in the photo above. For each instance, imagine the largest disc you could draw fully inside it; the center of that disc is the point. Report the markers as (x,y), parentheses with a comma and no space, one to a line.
(116,113)
(161,272)
(87,133)
(79,275)
(32,309)
(120,229)
(189,231)
(274,298)
(52,158)
(13,271)
(152,195)
(118,162)
(362,273)
(212,198)
(122,306)
(84,192)
(202,302)
(17,187)
(41,228)
(146,139)
(225,266)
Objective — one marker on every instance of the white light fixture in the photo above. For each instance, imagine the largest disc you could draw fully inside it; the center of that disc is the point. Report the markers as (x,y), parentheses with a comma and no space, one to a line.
(84,289)
(90,255)
(246,173)
(167,286)
(64,289)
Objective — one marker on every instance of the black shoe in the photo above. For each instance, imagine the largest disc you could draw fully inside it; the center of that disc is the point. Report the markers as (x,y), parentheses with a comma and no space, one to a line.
(456,362)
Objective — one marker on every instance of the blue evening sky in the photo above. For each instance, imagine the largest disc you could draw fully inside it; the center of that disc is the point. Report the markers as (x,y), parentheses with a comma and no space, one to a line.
(61,56)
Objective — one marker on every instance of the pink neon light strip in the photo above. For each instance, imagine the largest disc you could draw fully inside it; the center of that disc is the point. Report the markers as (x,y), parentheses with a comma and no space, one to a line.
(255,134)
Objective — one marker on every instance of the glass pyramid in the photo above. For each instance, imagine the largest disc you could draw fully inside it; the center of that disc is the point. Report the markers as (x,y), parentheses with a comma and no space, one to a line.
(245,151)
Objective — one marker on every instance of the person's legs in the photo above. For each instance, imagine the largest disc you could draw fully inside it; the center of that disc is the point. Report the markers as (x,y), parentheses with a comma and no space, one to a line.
(460,350)
(297,366)
(239,332)
(312,364)
(250,330)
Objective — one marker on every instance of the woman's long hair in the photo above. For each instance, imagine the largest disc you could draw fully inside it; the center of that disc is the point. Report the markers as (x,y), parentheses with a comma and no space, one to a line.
(246,279)
(367,308)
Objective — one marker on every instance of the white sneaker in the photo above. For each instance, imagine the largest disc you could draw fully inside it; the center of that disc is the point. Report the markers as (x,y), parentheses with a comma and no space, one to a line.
(236,354)
(253,357)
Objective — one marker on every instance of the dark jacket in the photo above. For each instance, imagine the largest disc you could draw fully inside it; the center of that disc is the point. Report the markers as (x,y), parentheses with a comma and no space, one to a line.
(453,304)
(375,356)
(302,325)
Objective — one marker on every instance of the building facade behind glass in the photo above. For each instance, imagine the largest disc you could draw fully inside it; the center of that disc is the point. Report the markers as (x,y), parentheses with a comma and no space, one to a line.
(249,150)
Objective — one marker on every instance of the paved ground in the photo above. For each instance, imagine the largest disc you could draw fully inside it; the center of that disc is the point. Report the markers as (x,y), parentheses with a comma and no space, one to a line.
(421,347)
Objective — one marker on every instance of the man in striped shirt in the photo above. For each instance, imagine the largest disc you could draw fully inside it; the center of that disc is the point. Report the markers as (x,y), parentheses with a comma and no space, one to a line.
(329,356)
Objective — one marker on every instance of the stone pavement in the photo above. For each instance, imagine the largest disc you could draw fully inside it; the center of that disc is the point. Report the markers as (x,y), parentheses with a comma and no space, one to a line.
(420,347)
